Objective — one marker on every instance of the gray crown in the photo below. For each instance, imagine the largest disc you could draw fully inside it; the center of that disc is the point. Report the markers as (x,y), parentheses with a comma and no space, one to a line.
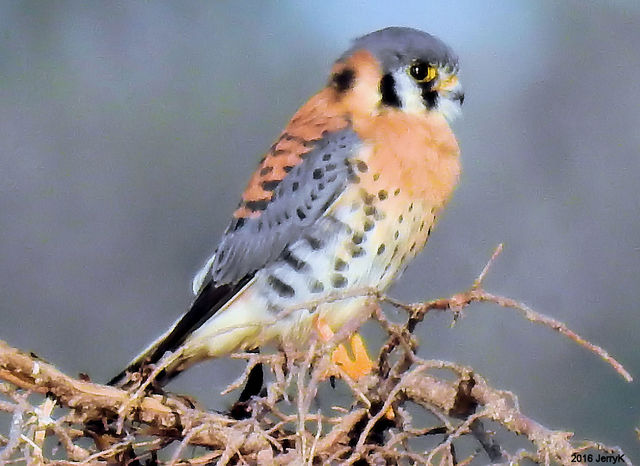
(398,46)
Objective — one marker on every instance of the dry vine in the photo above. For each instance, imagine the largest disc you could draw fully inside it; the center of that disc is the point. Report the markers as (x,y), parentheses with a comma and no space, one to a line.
(101,424)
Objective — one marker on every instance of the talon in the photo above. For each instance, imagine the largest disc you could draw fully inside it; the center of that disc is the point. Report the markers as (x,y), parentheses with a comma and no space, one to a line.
(358,366)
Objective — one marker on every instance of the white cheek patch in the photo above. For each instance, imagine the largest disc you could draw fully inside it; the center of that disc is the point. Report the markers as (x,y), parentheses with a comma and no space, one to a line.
(448,104)
(408,92)
(410,96)
(451,109)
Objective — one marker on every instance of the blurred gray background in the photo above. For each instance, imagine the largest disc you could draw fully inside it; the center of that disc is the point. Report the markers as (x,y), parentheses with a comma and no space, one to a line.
(128,130)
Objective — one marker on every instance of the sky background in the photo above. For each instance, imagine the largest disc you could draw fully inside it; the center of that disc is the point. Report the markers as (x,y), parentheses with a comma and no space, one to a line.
(128,130)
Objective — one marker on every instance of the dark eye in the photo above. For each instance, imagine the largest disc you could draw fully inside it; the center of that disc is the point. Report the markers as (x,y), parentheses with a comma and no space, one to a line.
(422,72)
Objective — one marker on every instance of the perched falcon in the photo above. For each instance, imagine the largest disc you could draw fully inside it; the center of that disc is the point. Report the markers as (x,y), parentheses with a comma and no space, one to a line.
(343,200)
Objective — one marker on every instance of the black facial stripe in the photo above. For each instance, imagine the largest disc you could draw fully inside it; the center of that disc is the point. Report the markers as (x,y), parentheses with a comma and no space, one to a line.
(429,96)
(343,80)
(388,91)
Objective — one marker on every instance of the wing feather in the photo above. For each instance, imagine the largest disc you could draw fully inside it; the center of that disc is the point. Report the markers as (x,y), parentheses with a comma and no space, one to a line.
(313,175)
(298,201)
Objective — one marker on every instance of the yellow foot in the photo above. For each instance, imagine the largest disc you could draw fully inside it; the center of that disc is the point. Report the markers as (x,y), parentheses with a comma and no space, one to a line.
(357,366)
(361,363)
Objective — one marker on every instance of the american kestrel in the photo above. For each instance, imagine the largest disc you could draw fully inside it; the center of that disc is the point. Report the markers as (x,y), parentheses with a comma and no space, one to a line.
(343,200)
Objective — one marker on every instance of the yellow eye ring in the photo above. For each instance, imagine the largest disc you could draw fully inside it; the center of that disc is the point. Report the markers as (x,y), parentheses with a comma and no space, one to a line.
(422,72)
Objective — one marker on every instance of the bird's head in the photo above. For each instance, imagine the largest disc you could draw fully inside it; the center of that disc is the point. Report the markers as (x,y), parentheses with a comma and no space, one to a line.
(398,68)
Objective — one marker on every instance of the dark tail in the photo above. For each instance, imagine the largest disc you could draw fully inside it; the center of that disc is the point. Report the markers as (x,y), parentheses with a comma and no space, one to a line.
(210,299)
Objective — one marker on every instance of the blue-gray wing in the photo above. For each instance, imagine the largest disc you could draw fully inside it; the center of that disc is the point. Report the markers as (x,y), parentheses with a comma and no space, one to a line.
(298,200)
(316,173)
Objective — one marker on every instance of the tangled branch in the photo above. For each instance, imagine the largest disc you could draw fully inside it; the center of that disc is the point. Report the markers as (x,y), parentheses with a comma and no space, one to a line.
(378,423)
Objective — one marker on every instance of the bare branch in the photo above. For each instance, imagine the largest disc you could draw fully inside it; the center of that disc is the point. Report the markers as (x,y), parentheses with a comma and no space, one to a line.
(375,424)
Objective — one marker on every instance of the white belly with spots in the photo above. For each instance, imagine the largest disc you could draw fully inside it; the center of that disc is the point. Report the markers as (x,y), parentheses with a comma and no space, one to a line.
(359,246)
(362,244)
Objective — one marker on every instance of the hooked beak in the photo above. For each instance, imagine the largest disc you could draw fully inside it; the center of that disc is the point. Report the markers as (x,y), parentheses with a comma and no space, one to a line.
(451,87)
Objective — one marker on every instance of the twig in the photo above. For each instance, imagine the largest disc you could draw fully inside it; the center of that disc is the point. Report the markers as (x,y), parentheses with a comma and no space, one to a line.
(556,325)
(278,430)
(312,453)
(477,283)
